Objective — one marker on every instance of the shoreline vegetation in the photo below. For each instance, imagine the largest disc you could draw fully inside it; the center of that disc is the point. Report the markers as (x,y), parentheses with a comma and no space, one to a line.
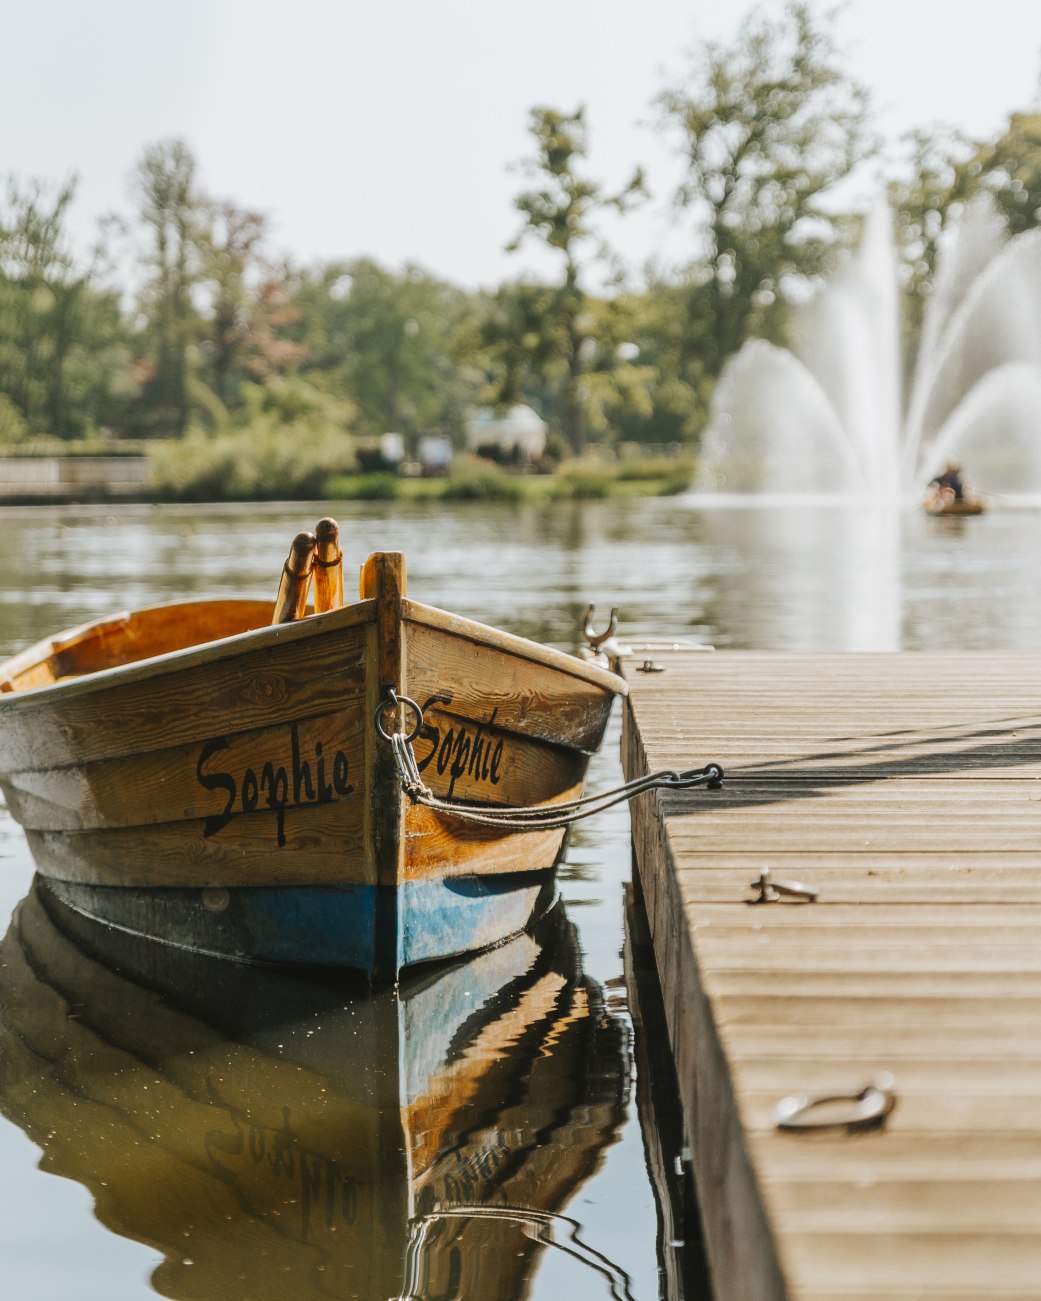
(474,481)
(220,471)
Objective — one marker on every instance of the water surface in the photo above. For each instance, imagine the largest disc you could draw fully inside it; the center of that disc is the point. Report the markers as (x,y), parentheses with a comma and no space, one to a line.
(217,1141)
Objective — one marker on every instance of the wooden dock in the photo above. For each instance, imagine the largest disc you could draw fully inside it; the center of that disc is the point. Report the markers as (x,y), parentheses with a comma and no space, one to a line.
(906,790)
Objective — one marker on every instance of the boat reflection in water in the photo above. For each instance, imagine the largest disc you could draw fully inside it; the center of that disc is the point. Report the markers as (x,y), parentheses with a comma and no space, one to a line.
(278,1134)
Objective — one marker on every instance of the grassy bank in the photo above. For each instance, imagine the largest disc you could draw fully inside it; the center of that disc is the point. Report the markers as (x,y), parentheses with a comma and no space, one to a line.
(235,478)
(264,465)
(472,480)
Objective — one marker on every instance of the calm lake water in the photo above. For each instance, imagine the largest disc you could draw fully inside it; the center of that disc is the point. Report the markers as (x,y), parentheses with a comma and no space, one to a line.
(213,1142)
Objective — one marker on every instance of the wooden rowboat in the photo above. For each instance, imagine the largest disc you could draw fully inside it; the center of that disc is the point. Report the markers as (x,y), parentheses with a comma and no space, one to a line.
(199,774)
(271,1133)
(945,503)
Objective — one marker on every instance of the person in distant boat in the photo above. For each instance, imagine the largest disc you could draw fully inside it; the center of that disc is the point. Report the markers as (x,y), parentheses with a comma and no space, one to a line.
(950,483)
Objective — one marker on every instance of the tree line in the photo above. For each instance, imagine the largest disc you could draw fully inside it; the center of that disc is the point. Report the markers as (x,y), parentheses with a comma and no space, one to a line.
(206,333)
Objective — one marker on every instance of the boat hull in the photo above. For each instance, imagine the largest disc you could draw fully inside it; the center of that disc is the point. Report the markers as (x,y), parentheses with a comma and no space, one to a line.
(939,504)
(233,793)
(325,925)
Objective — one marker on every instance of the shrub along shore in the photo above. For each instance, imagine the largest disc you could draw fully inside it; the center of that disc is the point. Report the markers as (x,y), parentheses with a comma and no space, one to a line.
(467,481)
(288,469)
(477,481)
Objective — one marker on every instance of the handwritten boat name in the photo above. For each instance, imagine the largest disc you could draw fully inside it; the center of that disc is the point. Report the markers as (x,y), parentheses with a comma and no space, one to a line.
(278,786)
(472,1173)
(463,750)
(321,1183)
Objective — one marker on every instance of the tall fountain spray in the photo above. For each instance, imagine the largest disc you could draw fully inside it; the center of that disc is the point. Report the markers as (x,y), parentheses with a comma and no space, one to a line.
(829,416)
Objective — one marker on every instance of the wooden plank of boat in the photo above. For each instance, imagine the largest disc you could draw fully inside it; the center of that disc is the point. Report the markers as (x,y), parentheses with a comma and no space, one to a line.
(201,774)
(254,1125)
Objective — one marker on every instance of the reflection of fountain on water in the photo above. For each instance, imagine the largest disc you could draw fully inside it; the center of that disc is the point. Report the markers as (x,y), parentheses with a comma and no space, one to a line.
(826,416)
(811,579)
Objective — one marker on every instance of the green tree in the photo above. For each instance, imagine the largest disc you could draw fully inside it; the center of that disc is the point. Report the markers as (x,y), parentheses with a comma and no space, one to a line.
(1010,169)
(171,210)
(62,342)
(386,341)
(229,244)
(558,341)
(524,344)
(653,326)
(37,289)
(519,345)
(248,306)
(767,127)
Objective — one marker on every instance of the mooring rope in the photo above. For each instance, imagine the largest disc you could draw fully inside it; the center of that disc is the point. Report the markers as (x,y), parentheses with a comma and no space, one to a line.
(544,817)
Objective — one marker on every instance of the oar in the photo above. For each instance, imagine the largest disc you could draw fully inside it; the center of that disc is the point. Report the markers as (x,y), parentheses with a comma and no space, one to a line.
(291,601)
(328,566)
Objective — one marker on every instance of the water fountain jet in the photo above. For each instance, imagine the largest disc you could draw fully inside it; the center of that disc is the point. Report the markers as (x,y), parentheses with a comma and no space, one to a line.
(826,416)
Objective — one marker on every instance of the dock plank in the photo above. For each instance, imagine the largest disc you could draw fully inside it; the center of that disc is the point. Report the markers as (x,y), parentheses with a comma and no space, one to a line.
(905,789)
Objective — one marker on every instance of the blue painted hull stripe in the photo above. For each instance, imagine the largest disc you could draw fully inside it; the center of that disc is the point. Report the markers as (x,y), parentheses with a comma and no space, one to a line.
(435,919)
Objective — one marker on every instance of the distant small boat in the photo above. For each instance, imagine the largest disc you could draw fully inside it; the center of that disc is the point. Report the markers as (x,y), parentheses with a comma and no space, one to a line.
(273,1133)
(945,503)
(200,774)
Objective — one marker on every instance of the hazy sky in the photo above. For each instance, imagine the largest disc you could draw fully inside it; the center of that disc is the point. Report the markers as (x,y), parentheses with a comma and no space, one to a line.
(387,128)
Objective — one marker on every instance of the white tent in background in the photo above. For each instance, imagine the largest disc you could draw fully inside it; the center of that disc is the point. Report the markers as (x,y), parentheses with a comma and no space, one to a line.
(520,427)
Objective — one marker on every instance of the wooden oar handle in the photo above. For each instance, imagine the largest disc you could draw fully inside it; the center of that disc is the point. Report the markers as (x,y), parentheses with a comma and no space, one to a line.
(291,601)
(328,566)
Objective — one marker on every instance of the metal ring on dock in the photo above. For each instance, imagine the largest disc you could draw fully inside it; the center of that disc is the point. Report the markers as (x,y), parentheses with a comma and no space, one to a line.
(848,1111)
(392,698)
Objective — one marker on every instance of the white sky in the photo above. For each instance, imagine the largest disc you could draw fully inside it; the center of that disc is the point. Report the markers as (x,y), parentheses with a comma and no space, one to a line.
(386,127)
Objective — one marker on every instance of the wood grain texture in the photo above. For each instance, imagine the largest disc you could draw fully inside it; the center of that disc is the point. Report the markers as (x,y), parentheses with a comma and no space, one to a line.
(328,566)
(466,759)
(324,845)
(260,678)
(127,638)
(907,790)
(295,584)
(301,760)
(514,695)
(383,581)
(483,634)
(304,760)
(439,846)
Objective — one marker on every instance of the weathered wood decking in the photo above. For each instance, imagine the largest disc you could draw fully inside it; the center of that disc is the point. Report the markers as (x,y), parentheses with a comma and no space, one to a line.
(907,790)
